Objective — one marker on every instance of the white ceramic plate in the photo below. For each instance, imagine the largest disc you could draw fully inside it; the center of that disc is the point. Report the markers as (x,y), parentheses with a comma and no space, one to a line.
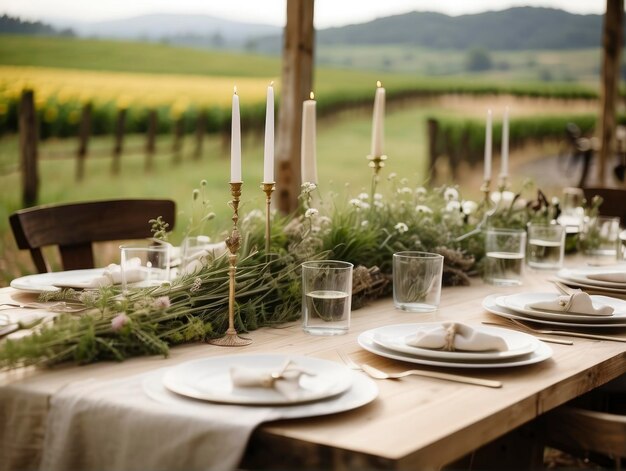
(209,379)
(490,304)
(393,337)
(366,340)
(362,392)
(519,303)
(50,281)
(620,293)
(580,275)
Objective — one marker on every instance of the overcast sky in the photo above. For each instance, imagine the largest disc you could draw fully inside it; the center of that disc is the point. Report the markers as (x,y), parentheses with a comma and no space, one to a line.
(327,12)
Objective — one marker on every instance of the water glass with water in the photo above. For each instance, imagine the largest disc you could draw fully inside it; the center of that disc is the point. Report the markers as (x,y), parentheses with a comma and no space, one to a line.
(326,297)
(546,246)
(504,259)
(417,281)
(600,236)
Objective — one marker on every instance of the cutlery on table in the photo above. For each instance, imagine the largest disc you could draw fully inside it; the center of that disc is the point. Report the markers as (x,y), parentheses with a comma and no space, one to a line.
(543,339)
(378,374)
(59,307)
(524,327)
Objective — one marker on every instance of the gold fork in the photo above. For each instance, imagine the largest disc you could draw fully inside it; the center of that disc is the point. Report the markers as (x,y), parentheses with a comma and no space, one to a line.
(378,374)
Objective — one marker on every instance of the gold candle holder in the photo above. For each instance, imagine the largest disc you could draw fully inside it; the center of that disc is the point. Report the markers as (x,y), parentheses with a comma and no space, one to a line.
(484,188)
(376,163)
(233,241)
(503,184)
(268,189)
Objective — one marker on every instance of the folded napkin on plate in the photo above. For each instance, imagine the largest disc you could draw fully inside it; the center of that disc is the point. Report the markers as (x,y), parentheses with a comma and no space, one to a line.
(578,303)
(451,336)
(285,380)
(198,260)
(112,275)
(615,277)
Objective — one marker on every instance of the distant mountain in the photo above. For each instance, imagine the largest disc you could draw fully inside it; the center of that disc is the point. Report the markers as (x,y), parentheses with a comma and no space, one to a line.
(14,25)
(513,29)
(180,29)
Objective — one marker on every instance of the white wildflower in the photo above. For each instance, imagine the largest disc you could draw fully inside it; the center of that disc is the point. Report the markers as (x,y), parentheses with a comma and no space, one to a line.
(453,206)
(308,187)
(88,297)
(363,196)
(162,302)
(119,321)
(420,191)
(365,223)
(378,196)
(379,204)
(405,190)
(420,208)
(469,207)
(311,212)
(196,285)
(365,205)
(355,202)
(392,176)
(401,227)
(451,194)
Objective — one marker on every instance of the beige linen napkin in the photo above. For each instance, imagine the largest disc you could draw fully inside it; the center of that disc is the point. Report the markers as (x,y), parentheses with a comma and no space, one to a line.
(578,303)
(614,277)
(113,425)
(451,336)
(285,380)
(111,275)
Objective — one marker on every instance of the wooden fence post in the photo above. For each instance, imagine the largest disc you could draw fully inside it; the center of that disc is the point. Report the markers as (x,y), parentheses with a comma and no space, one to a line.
(433,136)
(177,144)
(84,131)
(297,82)
(151,141)
(200,130)
(29,138)
(120,124)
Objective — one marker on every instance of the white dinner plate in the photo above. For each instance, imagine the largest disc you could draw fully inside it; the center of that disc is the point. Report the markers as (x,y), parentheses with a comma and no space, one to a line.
(392,337)
(362,392)
(619,293)
(519,303)
(580,275)
(490,304)
(366,341)
(209,379)
(50,281)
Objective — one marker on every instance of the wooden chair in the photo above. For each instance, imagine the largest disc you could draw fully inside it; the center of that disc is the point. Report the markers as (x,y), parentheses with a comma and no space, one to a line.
(587,433)
(73,227)
(614,201)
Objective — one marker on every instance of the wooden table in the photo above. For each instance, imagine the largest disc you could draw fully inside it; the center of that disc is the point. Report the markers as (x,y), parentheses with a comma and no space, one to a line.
(415,423)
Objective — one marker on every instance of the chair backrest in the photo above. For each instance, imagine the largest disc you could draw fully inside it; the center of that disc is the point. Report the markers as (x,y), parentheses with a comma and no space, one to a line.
(614,201)
(73,227)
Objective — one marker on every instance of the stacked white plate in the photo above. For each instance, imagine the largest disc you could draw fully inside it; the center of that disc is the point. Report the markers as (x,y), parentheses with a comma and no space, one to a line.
(390,342)
(209,379)
(582,278)
(518,307)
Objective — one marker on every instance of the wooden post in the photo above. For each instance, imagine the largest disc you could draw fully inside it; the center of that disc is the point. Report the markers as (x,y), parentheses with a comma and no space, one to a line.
(29,138)
(151,140)
(200,130)
(84,131)
(120,124)
(296,84)
(433,136)
(177,144)
(609,90)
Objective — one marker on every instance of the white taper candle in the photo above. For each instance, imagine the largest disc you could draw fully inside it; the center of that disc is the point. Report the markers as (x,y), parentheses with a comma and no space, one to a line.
(308,151)
(504,166)
(235,141)
(378,122)
(268,157)
(488,147)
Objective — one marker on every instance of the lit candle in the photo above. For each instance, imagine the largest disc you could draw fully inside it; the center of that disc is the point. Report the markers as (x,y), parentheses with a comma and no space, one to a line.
(378,121)
(235,141)
(488,147)
(309,165)
(504,170)
(268,159)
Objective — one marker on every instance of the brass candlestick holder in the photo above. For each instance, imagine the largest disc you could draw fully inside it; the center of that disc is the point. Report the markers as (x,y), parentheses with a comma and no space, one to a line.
(233,241)
(376,163)
(484,188)
(503,184)
(268,189)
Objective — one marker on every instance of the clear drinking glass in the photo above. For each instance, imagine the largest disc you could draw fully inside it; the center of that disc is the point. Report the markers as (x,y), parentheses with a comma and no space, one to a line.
(326,297)
(546,245)
(144,265)
(192,246)
(505,251)
(417,281)
(600,236)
